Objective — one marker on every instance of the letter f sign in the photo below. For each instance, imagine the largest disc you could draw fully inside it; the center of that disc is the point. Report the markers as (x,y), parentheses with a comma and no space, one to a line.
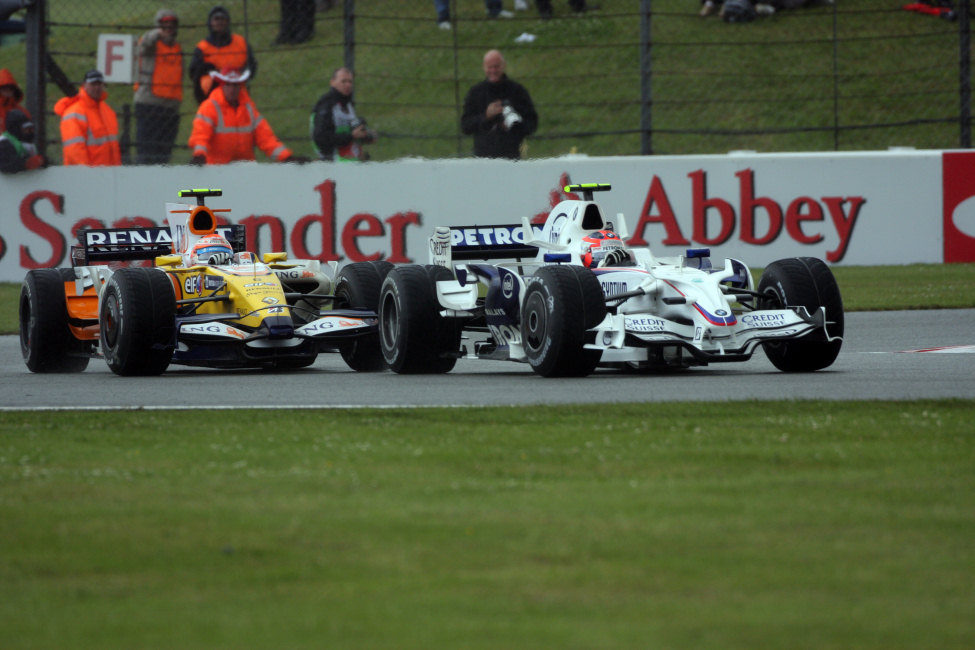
(115,57)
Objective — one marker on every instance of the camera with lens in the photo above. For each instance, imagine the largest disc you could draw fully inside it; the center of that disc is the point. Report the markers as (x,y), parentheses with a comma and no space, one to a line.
(356,123)
(509,116)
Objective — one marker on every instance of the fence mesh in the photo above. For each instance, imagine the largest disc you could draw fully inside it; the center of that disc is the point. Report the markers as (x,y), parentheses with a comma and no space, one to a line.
(846,76)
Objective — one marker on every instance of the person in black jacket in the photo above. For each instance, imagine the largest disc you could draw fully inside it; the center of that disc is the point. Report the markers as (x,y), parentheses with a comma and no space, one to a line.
(17,151)
(297,22)
(338,133)
(220,49)
(498,112)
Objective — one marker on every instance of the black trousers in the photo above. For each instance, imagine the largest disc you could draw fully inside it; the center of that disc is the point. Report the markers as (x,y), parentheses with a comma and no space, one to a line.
(297,21)
(155,133)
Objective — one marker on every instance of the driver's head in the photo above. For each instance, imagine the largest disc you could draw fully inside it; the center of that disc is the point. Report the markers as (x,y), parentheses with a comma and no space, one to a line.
(211,249)
(596,245)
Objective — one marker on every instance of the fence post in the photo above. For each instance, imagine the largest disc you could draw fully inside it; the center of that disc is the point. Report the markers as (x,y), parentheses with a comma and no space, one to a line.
(125,137)
(836,84)
(646,92)
(36,24)
(964,75)
(348,29)
(458,110)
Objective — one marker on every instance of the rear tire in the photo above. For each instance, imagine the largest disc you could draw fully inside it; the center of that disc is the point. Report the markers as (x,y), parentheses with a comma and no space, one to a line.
(806,282)
(561,304)
(46,341)
(357,287)
(138,318)
(414,337)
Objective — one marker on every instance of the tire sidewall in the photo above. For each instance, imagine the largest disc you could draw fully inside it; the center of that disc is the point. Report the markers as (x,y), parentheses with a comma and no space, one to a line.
(113,352)
(392,324)
(538,313)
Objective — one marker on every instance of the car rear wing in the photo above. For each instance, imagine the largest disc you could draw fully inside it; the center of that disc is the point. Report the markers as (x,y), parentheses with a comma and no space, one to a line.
(98,245)
(482,243)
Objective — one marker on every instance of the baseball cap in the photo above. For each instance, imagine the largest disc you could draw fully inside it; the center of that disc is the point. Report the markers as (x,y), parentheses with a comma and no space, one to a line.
(94,75)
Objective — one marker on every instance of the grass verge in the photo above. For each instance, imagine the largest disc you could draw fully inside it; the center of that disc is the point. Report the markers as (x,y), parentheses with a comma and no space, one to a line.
(774,525)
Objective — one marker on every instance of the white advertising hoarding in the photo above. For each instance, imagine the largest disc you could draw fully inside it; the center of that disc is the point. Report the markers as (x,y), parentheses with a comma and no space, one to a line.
(847,208)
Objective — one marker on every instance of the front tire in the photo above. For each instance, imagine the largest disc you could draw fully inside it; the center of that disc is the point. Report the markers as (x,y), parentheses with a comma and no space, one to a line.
(357,286)
(561,304)
(46,341)
(414,337)
(138,318)
(805,282)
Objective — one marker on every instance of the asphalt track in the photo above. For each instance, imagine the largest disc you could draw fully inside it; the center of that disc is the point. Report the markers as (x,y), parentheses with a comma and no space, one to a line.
(886,355)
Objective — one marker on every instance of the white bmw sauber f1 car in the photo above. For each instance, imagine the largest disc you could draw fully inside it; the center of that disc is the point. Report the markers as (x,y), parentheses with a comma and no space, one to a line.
(573,297)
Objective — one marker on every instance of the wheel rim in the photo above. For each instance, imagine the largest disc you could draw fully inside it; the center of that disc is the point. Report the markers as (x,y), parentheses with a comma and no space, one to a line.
(772,300)
(342,299)
(26,324)
(110,321)
(389,322)
(535,321)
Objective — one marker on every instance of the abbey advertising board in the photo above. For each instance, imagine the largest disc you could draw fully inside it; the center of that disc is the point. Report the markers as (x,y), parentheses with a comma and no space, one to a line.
(860,208)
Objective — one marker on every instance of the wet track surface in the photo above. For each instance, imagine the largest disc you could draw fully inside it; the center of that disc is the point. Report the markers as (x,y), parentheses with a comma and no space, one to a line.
(876,363)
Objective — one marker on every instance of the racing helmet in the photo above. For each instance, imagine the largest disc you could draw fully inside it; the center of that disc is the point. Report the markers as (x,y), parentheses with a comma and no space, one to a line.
(596,245)
(211,249)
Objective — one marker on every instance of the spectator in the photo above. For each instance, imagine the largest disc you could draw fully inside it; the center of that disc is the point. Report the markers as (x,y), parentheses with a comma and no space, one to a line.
(297,22)
(228,125)
(89,128)
(493,8)
(709,7)
(337,131)
(17,151)
(158,90)
(738,11)
(10,95)
(221,49)
(498,112)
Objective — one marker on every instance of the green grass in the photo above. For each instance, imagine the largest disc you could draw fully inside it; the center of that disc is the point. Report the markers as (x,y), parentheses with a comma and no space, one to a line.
(772,525)
(797,81)
(864,288)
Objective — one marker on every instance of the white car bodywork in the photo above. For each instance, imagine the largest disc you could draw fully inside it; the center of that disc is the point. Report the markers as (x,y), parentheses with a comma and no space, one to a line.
(662,312)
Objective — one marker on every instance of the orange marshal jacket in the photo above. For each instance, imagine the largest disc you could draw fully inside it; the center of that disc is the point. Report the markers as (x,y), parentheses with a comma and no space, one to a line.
(226,133)
(235,55)
(160,70)
(89,131)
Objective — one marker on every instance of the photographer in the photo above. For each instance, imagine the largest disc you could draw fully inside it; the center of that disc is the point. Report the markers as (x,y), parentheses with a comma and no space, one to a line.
(498,112)
(338,133)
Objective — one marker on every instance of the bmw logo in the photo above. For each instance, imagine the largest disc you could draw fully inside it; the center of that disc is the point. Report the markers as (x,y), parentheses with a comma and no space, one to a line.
(721,312)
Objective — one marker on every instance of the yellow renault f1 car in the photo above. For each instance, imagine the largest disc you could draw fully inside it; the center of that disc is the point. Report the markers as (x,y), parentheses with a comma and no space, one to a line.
(205,301)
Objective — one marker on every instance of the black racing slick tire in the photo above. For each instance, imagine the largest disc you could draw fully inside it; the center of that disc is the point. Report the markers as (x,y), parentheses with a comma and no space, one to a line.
(357,286)
(561,304)
(803,282)
(46,342)
(137,319)
(414,337)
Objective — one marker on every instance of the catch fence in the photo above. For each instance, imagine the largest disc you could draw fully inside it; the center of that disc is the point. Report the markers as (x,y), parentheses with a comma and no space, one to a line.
(629,78)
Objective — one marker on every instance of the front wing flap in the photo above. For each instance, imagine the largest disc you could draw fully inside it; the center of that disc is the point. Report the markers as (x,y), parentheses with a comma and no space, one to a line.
(735,342)
(330,326)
